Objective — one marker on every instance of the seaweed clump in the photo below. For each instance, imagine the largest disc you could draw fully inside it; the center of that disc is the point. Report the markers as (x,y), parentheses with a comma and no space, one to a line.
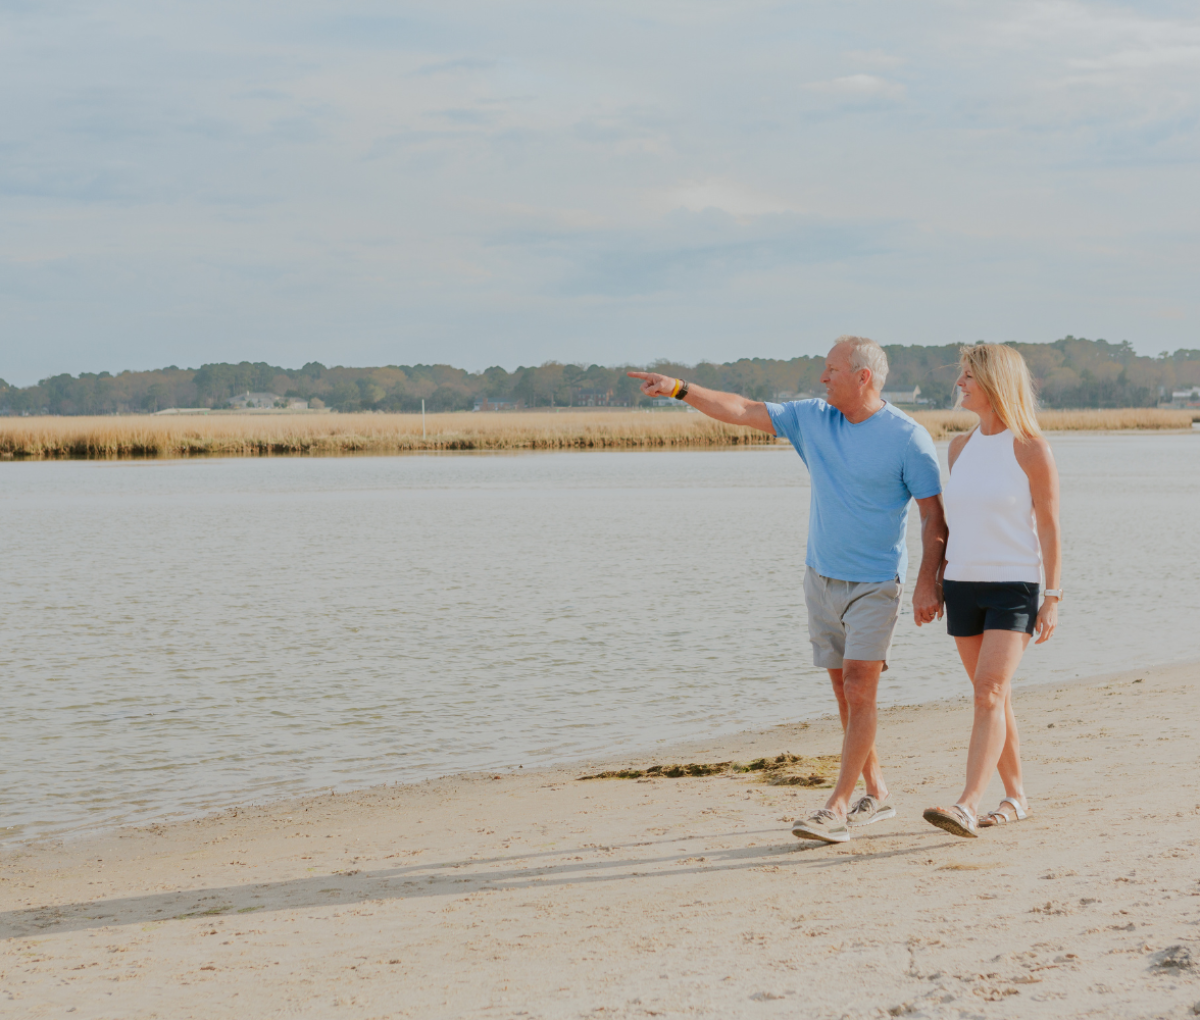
(784,769)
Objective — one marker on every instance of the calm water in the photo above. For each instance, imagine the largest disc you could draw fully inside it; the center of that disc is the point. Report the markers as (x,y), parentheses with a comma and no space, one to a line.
(180,636)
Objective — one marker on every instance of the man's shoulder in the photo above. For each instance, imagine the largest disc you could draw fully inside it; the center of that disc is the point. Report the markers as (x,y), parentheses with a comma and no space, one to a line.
(904,424)
(807,405)
(799,412)
(809,409)
(898,418)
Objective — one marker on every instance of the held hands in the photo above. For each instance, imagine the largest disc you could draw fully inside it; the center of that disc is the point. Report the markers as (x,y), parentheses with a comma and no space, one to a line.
(1047,619)
(928,604)
(654,384)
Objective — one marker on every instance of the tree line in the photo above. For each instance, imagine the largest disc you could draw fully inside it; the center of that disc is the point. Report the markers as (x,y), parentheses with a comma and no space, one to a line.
(1071,372)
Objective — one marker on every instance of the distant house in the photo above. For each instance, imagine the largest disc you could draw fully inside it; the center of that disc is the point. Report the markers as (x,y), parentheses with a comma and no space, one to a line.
(491,404)
(667,402)
(254,400)
(1186,398)
(912,396)
(594,398)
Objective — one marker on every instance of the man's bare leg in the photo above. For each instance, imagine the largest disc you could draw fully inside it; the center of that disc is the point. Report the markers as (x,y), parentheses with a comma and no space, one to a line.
(860,685)
(872,774)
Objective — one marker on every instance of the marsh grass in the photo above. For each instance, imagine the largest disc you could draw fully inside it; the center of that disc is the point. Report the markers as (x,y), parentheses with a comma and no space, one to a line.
(337,434)
(945,423)
(261,435)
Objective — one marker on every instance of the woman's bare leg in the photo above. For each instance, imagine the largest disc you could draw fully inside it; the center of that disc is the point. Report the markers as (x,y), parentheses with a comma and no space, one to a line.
(990,659)
(1010,759)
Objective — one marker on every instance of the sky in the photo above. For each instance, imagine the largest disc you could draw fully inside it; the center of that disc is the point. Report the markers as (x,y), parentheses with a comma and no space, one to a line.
(510,182)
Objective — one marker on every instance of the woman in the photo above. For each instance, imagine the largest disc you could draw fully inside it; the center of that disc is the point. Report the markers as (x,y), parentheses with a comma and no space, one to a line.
(1002,480)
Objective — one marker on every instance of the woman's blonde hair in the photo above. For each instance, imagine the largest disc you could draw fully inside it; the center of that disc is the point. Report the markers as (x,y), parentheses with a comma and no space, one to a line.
(1004,377)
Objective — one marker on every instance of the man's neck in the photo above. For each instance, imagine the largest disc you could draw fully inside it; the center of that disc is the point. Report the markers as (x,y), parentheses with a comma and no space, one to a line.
(863,410)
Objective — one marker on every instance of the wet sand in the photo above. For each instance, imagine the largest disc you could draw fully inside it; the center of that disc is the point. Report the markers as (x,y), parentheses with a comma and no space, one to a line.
(536,895)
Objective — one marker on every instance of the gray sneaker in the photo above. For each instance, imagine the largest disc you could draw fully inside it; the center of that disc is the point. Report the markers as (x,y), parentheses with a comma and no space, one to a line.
(823,825)
(868,809)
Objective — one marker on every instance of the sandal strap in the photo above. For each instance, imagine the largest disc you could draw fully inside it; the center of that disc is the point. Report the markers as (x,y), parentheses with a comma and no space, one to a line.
(1022,814)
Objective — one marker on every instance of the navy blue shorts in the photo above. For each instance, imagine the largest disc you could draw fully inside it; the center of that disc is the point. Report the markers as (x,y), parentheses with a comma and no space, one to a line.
(975,606)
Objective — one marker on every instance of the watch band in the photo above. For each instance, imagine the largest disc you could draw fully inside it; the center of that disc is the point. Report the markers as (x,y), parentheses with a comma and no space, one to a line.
(682,391)
(1056,592)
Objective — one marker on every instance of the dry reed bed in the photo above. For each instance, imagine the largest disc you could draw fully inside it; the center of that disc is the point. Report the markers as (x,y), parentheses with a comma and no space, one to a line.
(332,434)
(260,435)
(945,423)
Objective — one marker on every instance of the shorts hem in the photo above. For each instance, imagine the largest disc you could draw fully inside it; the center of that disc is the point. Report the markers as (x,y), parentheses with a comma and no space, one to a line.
(1025,629)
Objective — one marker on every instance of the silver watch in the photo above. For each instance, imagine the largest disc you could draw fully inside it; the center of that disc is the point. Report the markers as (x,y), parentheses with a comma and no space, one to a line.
(1056,592)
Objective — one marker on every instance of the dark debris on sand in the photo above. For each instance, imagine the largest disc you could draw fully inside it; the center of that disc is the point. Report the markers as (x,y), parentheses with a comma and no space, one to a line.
(784,769)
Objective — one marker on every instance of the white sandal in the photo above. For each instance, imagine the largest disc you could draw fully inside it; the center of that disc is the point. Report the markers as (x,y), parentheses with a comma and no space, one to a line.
(998,817)
(958,820)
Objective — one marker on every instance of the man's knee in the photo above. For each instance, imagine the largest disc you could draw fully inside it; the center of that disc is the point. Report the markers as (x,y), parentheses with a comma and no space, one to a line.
(859,692)
(860,684)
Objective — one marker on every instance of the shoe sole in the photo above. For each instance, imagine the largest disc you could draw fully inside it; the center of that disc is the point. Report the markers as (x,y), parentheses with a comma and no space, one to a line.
(823,837)
(879,816)
(948,824)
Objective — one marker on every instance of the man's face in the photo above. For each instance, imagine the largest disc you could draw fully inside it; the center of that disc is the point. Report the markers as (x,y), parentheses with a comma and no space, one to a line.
(843,386)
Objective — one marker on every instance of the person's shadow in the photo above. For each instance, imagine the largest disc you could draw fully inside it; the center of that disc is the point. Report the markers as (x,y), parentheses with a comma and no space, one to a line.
(580,866)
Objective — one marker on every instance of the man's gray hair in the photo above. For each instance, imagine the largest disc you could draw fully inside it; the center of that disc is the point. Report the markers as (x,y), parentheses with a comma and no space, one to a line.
(866,353)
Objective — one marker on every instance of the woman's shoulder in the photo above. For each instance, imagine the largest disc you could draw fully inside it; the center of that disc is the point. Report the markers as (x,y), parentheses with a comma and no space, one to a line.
(1034,453)
(1033,449)
(956,446)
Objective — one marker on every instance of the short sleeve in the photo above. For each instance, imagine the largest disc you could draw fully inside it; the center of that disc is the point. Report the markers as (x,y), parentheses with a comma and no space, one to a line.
(922,473)
(787,423)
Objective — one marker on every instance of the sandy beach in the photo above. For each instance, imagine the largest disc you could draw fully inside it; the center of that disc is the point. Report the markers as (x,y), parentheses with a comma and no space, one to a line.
(533,894)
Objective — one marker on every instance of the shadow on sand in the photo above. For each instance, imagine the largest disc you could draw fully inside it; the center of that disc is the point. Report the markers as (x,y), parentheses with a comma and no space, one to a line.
(580,866)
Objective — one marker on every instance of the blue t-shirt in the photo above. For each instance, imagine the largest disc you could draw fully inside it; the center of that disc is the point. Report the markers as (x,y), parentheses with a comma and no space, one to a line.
(863,477)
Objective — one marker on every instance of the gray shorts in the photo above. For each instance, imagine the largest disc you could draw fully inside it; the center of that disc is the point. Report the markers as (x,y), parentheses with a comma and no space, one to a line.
(850,619)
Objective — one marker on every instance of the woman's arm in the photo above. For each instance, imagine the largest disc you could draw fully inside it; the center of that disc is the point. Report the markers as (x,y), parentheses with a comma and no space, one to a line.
(1037,461)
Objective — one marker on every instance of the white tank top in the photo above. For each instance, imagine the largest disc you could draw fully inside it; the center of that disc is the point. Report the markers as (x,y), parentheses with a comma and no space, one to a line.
(989,510)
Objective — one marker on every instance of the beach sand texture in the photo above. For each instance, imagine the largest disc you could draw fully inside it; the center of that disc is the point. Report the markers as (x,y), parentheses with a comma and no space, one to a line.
(263,434)
(537,895)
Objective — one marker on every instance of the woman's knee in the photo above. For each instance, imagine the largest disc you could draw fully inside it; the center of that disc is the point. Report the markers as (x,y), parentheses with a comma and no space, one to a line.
(991,691)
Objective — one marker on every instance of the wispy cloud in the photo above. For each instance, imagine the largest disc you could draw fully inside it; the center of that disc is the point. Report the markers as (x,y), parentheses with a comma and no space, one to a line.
(857,88)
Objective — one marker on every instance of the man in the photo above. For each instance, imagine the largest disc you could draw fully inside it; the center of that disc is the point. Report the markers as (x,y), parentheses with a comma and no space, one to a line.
(867,460)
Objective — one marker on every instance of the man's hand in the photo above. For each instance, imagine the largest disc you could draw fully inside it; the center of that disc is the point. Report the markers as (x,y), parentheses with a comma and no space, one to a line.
(726,407)
(928,604)
(655,385)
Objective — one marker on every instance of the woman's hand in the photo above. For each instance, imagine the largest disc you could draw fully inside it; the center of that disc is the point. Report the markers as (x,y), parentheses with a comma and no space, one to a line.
(1047,619)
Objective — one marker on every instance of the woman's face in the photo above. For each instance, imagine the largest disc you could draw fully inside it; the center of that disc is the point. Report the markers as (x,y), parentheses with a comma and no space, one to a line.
(973,397)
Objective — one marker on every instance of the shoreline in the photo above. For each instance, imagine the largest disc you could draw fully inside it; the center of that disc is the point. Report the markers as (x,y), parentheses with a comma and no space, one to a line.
(535,894)
(680,752)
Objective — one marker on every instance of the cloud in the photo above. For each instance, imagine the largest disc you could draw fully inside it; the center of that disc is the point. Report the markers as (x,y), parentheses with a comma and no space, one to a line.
(507,182)
(724,196)
(858,88)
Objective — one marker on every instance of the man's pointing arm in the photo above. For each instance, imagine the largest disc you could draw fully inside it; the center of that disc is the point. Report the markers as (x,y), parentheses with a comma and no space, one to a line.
(726,407)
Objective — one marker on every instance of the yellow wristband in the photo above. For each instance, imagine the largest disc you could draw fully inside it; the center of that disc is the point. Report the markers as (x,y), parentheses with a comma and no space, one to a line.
(677,388)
